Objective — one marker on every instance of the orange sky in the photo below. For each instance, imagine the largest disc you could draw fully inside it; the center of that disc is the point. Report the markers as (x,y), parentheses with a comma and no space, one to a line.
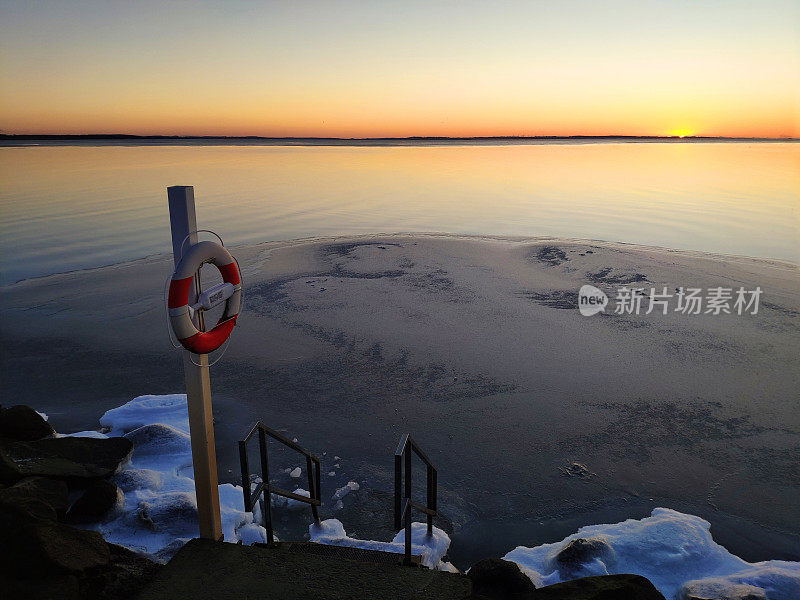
(366,69)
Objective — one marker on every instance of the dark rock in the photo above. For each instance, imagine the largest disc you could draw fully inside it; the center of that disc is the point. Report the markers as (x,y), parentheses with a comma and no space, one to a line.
(602,587)
(9,473)
(63,587)
(52,492)
(69,458)
(33,546)
(29,507)
(581,551)
(497,578)
(123,577)
(22,423)
(100,498)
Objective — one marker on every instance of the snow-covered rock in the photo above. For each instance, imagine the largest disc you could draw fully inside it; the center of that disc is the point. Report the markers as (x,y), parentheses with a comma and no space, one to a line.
(773,580)
(160,507)
(673,550)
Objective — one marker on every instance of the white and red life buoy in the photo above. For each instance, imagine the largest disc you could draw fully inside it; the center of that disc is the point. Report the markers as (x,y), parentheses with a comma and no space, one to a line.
(180,313)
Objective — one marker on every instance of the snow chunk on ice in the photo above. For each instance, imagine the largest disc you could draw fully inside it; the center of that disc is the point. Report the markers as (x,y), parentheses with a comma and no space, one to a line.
(351,486)
(669,548)
(293,504)
(329,529)
(435,546)
(295,473)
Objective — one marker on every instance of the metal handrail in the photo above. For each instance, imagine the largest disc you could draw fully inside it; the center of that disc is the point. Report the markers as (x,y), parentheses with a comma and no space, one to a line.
(250,498)
(402,509)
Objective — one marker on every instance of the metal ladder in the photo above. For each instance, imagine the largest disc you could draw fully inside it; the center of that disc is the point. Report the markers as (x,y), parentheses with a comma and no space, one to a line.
(403,502)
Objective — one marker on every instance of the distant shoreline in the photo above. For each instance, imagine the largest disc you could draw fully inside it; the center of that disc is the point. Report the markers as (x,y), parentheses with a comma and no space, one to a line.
(372,141)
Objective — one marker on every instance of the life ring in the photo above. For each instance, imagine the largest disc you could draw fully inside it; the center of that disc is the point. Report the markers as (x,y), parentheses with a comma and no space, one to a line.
(180,317)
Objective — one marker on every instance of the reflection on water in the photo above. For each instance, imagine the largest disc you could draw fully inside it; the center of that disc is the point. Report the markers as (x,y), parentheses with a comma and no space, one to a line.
(69,207)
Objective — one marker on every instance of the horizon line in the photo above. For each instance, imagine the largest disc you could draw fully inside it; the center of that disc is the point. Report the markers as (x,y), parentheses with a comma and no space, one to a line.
(128,136)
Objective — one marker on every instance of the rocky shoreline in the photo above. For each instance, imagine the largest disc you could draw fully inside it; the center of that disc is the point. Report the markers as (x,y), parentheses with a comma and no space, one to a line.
(49,484)
(65,498)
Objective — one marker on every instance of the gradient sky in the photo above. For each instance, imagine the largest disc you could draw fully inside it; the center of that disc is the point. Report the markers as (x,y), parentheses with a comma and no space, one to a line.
(365,69)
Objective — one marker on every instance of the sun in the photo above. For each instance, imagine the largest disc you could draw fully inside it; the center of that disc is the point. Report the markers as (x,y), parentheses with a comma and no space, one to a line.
(681,133)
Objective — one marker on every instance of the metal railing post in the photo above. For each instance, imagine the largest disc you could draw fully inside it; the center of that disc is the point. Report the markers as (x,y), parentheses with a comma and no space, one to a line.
(265,490)
(398,490)
(433,505)
(407,557)
(312,489)
(248,501)
(403,505)
(407,458)
(266,506)
(429,500)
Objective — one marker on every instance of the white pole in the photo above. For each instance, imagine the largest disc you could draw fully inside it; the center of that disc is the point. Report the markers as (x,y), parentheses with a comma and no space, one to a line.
(183,221)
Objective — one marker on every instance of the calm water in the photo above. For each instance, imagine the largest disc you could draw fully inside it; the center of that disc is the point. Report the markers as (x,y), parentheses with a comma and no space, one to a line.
(70,207)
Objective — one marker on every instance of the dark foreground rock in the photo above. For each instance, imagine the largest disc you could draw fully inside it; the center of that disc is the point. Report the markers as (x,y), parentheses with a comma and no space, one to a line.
(603,587)
(34,545)
(101,498)
(121,578)
(22,423)
(498,579)
(66,458)
(51,492)
(41,558)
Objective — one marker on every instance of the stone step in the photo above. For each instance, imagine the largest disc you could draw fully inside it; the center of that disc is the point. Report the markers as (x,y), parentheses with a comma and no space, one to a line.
(347,552)
(216,570)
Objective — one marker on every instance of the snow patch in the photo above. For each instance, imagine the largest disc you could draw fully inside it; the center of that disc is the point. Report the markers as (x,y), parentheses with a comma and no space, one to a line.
(160,509)
(431,549)
(85,434)
(673,550)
